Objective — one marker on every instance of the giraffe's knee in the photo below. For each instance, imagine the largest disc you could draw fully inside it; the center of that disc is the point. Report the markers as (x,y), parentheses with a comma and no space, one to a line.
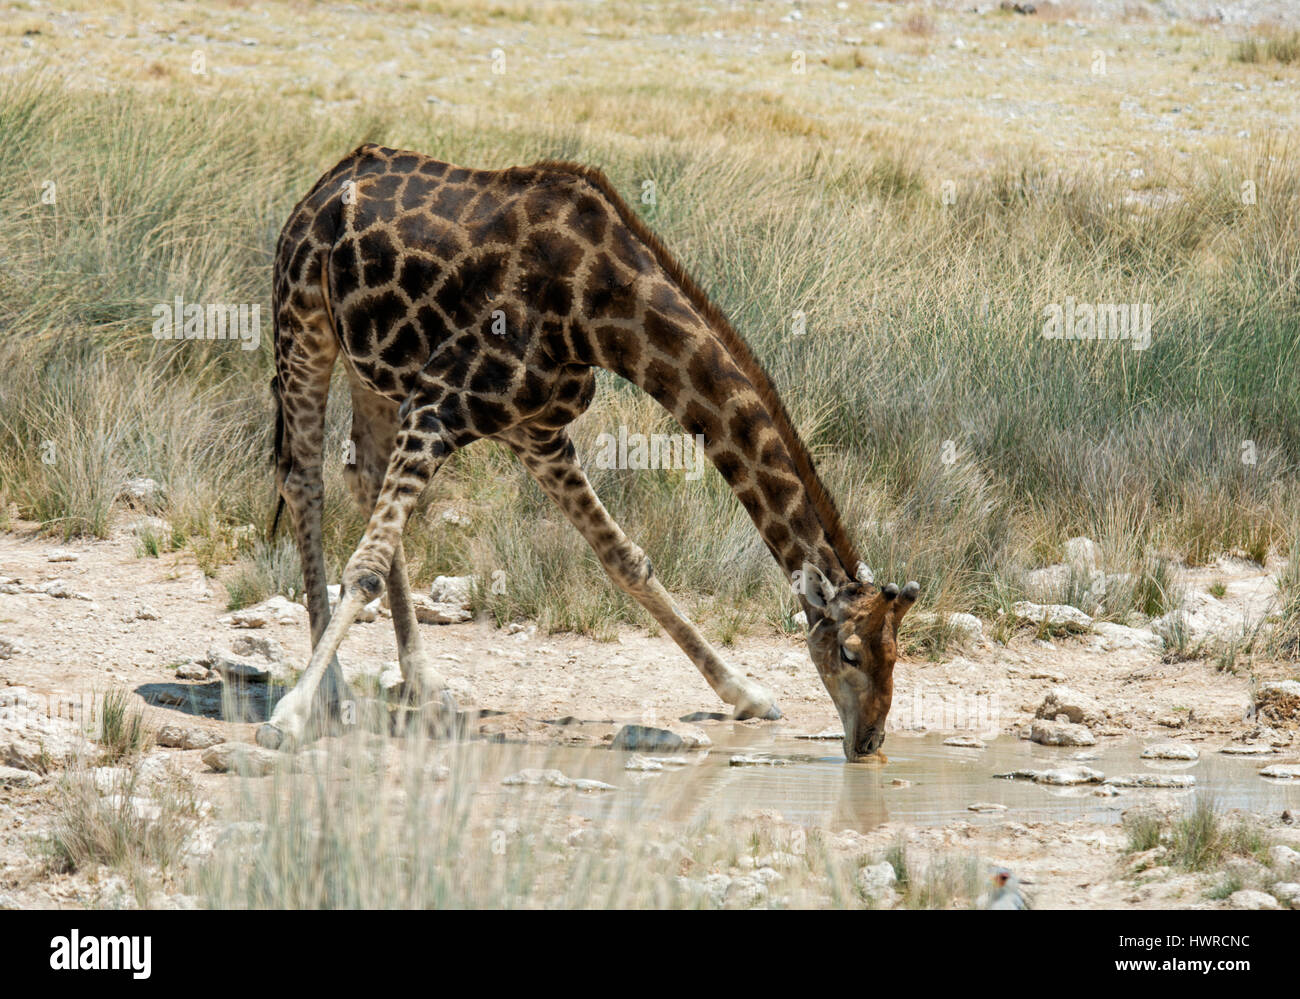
(631,567)
(365,578)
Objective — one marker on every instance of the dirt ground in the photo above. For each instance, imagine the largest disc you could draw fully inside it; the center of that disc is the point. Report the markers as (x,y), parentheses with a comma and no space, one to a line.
(131,620)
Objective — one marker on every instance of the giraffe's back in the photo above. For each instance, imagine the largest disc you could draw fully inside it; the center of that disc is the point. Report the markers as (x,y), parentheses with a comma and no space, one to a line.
(442,277)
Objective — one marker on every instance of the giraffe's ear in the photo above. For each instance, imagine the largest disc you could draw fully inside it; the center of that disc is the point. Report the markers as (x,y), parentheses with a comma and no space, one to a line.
(864,575)
(817,589)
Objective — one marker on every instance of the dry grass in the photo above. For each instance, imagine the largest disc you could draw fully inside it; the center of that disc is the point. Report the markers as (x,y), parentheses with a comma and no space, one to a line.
(963,445)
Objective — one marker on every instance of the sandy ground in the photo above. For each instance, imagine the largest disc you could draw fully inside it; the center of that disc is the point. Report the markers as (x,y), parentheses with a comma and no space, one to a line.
(132,620)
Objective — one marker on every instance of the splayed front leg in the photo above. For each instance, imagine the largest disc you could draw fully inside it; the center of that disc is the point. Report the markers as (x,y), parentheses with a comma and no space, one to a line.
(552,461)
(422,444)
(289,723)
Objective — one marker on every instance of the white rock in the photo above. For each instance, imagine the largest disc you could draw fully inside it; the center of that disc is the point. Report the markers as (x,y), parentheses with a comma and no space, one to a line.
(452,590)
(1056,615)
(985,806)
(1077,708)
(1202,616)
(1062,777)
(62,555)
(1287,892)
(192,671)
(747,760)
(1059,733)
(1171,751)
(139,491)
(964,742)
(1248,749)
(875,880)
(1249,899)
(1115,637)
(13,777)
(10,647)
(429,611)
(277,609)
(1152,780)
(178,737)
(966,627)
(1284,860)
(60,589)
(242,758)
(1282,771)
(554,778)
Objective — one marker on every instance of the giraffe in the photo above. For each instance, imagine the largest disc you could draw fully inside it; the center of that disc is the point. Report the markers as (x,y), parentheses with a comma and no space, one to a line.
(470,304)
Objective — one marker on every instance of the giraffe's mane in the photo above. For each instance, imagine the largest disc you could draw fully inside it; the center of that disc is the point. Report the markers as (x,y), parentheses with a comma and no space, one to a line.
(824,506)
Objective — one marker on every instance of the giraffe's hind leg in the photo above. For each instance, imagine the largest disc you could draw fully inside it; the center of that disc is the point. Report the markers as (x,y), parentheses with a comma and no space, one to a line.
(550,458)
(426,437)
(305,351)
(374,427)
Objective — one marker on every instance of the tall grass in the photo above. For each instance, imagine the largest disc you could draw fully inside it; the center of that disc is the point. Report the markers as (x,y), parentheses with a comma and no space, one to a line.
(961,443)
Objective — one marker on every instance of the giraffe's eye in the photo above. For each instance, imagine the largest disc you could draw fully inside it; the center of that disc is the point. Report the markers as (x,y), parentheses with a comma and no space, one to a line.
(848,656)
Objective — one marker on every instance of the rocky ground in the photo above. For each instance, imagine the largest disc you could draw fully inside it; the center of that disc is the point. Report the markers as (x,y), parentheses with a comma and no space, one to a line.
(83,618)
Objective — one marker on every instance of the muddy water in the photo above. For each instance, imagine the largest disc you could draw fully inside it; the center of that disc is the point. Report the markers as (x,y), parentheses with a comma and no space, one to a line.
(817,786)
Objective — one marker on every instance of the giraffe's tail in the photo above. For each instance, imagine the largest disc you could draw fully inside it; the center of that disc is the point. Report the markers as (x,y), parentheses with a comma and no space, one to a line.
(277,449)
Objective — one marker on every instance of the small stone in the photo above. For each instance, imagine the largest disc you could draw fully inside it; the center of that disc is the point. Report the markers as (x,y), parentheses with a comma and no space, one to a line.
(1077,708)
(140,492)
(747,760)
(967,628)
(193,671)
(900,782)
(874,880)
(455,590)
(62,555)
(242,758)
(985,806)
(1054,733)
(1061,777)
(177,737)
(1284,860)
(1287,892)
(1250,899)
(649,739)
(429,611)
(13,777)
(964,742)
(1055,615)
(1282,771)
(1172,781)
(1170,751)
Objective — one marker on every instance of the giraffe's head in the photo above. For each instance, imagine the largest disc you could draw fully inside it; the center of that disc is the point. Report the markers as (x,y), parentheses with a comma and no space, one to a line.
(852,638)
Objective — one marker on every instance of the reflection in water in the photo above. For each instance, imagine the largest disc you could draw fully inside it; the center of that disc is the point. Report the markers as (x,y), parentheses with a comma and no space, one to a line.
(923,782)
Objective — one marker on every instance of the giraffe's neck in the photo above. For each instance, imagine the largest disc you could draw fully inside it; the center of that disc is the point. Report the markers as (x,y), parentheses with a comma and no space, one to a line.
(684,354)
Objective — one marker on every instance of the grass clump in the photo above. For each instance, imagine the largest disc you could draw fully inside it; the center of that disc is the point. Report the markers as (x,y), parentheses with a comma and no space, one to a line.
(122,731)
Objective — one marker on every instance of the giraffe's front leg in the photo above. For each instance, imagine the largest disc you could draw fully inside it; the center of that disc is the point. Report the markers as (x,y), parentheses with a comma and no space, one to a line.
(553,462)
(422,445)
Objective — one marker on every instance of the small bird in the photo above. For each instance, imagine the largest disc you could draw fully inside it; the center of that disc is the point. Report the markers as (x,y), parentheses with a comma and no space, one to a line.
(1007,894)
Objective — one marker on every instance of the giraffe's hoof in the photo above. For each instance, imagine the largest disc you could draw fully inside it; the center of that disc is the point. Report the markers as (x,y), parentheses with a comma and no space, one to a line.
(768,712)
(269,736)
